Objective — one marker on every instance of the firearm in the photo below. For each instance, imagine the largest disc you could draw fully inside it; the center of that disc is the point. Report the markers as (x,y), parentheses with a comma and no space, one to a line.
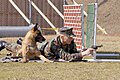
(96,47)
(93,46)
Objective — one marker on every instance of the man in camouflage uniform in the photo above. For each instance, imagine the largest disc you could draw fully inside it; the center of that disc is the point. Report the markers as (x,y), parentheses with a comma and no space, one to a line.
(62,47)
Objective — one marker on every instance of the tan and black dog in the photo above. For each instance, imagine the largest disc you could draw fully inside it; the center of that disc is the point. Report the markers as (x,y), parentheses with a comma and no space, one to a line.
(29,48)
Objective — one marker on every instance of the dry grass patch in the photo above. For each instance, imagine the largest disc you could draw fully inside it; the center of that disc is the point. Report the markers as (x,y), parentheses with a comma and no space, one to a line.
(64,71)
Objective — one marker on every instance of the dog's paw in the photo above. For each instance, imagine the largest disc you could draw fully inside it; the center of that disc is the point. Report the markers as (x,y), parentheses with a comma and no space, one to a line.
(23,61)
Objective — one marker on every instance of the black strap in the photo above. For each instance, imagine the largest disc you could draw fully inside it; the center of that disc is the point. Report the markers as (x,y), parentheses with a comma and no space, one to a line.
(59,41)
(42,48)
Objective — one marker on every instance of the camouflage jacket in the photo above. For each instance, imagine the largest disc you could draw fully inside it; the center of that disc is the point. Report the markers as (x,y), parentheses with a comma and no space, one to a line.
(54,49)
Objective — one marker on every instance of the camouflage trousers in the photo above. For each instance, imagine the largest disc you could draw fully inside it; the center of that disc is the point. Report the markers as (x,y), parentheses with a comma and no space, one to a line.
(13,47)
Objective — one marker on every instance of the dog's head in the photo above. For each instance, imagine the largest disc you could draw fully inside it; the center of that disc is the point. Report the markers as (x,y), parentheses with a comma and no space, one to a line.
(36,34)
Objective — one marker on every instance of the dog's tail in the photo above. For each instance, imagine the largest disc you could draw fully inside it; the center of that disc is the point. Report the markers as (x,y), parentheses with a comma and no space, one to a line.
(2,45)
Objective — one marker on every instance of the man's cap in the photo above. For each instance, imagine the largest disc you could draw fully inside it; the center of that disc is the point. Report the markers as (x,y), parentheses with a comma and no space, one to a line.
(67,31)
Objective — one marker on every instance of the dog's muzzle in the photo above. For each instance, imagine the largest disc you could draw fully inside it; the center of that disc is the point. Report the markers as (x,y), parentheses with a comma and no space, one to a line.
(40,39)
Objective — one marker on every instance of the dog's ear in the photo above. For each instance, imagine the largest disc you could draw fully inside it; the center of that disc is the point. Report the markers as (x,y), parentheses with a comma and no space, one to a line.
(35,27)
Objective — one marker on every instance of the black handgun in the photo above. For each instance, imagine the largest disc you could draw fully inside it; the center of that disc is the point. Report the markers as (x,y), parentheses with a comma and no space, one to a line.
(93,46)
(96,46)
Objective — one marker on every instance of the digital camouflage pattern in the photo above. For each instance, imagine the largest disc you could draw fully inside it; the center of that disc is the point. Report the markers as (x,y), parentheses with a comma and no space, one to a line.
(13,47)
(55,50)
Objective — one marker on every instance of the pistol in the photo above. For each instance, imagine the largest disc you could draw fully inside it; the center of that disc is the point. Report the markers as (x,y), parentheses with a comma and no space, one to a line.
(96,46)
(93,46)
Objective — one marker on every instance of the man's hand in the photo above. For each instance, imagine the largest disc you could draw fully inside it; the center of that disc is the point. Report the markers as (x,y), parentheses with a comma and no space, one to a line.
(87,52)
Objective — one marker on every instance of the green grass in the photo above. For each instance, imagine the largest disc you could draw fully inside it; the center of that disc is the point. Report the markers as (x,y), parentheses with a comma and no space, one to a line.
(65,71)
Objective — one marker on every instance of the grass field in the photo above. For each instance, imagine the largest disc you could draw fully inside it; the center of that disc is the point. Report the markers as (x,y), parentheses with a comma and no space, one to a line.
(65,71)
